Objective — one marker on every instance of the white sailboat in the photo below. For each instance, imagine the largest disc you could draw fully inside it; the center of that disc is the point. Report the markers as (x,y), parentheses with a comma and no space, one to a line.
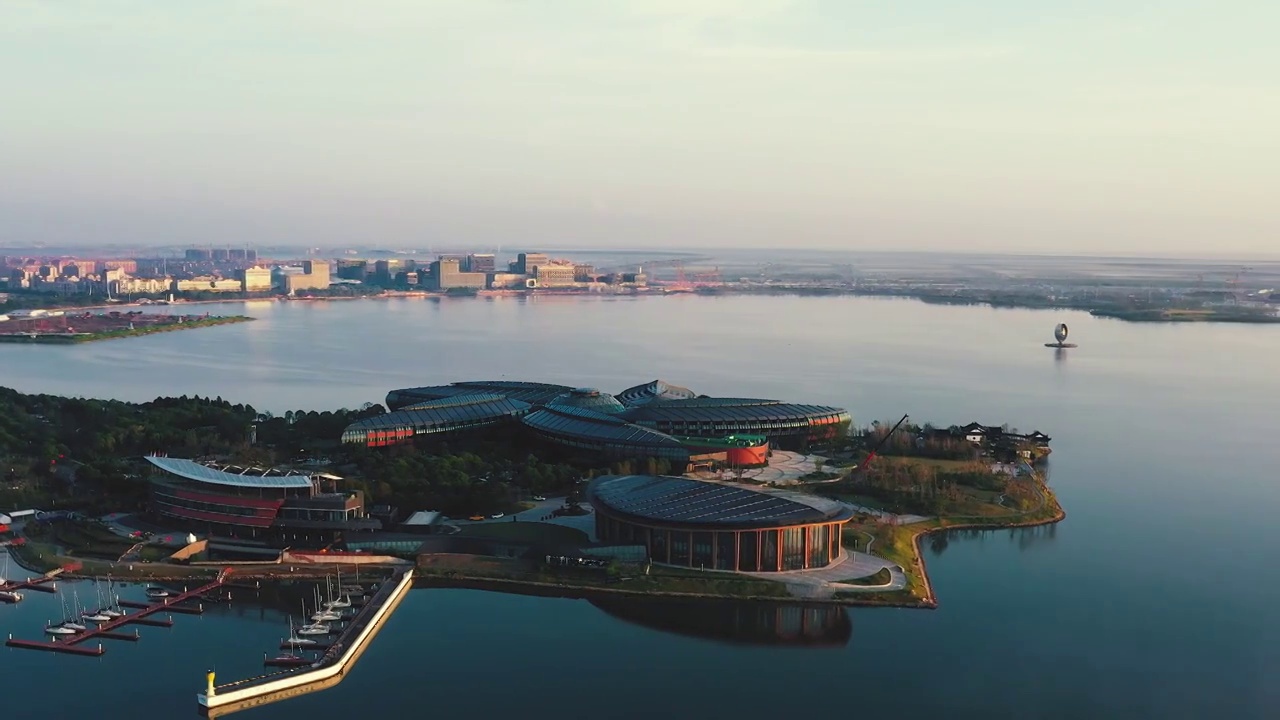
(295,640)
(58,630)
(324,615)
(313,628)
(70,623)
(343,600)
(96,615)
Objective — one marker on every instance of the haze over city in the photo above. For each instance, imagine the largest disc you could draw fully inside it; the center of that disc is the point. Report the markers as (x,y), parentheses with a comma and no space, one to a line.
(999,127)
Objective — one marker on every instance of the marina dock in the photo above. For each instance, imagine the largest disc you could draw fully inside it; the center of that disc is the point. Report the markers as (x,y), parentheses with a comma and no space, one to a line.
(76,644)
(325,672)
(42,583)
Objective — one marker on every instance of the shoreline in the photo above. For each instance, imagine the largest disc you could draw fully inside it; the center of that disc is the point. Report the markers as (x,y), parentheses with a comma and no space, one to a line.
(1153,315)
(50,338)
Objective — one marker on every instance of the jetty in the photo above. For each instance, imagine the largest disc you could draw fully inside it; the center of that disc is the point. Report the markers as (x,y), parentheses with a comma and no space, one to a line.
(78,644)
(42,583)
(326,671)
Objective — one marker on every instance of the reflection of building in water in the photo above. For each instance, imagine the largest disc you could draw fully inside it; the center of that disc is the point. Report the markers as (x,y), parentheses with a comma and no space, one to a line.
(746,623)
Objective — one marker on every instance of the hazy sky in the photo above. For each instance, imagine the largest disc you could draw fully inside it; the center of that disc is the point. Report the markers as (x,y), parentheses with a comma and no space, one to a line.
(1090,125)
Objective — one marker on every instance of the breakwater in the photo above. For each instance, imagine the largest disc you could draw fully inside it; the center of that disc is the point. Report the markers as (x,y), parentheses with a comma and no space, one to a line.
(327,671)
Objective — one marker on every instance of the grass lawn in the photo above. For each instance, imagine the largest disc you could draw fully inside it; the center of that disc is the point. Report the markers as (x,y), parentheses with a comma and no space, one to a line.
(931,462)
(534,532)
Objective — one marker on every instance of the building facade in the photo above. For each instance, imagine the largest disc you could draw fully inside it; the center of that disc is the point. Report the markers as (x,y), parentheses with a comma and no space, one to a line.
(250,504)
(447,274)
(714,526)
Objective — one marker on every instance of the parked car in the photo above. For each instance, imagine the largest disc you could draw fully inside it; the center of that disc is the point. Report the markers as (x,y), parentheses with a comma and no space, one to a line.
(476,518)
(538,498)
(495,516)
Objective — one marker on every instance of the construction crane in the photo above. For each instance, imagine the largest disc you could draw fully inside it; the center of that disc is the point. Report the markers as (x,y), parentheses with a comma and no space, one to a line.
(866,464)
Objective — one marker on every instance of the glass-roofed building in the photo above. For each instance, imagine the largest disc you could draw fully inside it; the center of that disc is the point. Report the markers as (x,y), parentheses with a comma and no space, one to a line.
(588,419)
(652,420)
(444,415)
(712,525)
(270,507)
(533,393)
(782,423)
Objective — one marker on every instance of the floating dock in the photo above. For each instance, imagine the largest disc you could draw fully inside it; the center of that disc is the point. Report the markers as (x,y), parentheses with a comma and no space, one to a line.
(325,672)
(74,644)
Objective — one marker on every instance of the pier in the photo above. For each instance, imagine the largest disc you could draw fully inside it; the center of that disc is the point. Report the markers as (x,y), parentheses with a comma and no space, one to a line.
(325,672)
(76,644)
(43,583)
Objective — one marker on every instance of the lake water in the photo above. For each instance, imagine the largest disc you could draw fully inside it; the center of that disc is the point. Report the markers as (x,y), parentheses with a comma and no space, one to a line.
(1156,598)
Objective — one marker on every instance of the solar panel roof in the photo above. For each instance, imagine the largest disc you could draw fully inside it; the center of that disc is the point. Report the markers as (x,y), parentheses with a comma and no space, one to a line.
(203,473)
(575,422)
(469,408)
(681,500)
(727,410)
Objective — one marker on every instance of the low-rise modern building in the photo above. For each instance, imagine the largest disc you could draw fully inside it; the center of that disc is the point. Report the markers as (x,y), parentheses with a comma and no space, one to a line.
(710,525)
(268,507)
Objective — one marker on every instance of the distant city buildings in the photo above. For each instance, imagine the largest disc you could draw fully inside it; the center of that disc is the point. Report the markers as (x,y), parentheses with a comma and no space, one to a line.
(227,270)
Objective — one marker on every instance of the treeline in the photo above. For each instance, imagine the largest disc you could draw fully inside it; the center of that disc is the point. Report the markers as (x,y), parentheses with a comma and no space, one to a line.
(919,441)
(77,453)
(915,487)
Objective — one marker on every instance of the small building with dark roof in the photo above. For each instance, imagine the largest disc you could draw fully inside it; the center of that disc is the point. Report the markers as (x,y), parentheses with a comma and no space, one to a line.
(710,525)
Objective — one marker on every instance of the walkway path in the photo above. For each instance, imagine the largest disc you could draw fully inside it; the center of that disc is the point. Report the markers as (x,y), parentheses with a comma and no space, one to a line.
(825,582)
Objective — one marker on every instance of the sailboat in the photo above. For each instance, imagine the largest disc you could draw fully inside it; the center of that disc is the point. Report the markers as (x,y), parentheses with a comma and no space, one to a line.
(70,623)
(113,607)
(288,658)
(324,615)
(295,640)
(58,630)
(96,615)
(343,601)
(314,628)
(353,589)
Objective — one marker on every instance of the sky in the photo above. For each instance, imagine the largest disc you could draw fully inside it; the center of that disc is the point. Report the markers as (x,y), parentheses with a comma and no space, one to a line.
(1089,126)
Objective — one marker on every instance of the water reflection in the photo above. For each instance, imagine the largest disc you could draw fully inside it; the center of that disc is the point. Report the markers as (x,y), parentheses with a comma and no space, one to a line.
(737,623)
(1024,538)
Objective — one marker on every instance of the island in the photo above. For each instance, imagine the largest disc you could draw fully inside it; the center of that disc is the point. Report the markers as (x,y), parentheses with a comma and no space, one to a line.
(514,486)
(62,327)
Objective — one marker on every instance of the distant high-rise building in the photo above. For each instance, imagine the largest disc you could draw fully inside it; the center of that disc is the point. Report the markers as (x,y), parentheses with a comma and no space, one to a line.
(197,255)
(220,254)
(481,262)
(447,274)
(554,274)
(526,262)
(255,279)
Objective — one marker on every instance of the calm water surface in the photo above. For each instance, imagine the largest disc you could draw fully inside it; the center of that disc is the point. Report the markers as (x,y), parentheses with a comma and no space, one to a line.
(1155,598)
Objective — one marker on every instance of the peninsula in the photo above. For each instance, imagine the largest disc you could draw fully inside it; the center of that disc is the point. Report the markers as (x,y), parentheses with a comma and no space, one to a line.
(519,486)
(60,327)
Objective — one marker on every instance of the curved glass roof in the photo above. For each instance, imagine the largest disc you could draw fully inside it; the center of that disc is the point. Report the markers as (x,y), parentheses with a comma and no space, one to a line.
(589,425)
(655,391)
(459,409)
(728,410)
(529,392)
(588,399)
(681,500)
(192,470)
